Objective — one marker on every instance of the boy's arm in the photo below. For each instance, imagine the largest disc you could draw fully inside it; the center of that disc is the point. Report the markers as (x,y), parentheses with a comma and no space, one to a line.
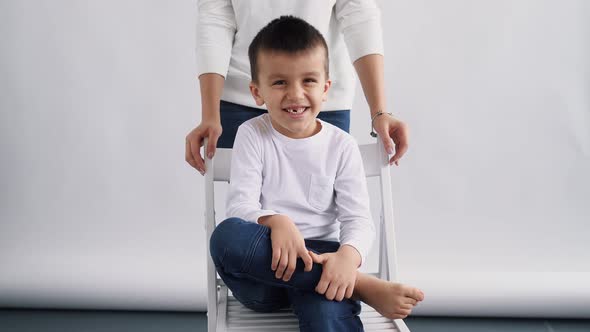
(352,201)
(357,231)
(243,197)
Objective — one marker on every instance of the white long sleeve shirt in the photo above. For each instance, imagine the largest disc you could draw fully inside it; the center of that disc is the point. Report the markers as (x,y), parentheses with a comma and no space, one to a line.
(319,182)
(352,29)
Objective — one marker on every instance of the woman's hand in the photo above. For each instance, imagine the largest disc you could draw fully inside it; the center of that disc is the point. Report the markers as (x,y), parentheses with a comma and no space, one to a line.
(194,140)
(389,128)
(211,86)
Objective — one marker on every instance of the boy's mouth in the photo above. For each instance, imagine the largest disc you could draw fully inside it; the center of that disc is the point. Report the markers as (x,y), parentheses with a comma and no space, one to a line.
(296,110)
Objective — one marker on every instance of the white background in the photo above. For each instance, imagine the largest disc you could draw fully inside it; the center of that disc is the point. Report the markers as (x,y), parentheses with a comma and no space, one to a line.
(98,208)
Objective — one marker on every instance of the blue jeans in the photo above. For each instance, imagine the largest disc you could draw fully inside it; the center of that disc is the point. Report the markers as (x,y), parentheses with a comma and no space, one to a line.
(242,254)
(233,115)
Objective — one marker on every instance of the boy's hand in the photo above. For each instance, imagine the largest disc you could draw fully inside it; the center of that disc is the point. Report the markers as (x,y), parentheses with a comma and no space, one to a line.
(287,246)
(339,275)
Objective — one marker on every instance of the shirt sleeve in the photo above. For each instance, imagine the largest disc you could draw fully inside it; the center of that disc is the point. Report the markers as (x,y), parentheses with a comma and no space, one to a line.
(360,24)
(352,200)
(245,185)
(216,28)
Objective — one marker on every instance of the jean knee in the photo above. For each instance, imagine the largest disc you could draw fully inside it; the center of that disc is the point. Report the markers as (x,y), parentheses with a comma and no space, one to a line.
(232,241)
(221,238)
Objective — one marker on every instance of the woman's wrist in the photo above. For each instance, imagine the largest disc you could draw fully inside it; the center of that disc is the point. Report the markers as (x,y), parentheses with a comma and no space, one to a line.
(375,110)
(211,113)
(374,117)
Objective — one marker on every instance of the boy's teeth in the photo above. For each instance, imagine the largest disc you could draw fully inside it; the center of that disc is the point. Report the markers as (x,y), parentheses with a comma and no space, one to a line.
(297,111)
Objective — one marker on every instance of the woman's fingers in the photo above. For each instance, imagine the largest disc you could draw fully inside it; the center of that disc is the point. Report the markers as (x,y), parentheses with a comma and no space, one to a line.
(195,144)
(390,129)
(399,133)
(212,143)
(188,156)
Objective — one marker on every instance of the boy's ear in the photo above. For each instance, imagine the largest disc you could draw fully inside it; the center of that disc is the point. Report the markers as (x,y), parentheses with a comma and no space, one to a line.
(327,86)
(255,91)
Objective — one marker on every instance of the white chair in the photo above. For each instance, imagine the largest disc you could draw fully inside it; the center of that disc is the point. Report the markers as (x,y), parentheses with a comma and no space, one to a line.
(225,313)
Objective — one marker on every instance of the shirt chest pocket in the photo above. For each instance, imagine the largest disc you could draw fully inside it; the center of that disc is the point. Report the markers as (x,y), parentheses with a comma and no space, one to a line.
(321,191)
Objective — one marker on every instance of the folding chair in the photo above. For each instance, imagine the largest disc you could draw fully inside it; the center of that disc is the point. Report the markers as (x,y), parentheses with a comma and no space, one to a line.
(225,313)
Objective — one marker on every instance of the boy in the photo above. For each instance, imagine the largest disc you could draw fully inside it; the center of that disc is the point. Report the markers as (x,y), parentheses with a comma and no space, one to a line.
(297,188)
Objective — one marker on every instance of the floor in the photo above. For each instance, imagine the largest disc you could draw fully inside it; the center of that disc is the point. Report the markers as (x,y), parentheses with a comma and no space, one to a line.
(25,320)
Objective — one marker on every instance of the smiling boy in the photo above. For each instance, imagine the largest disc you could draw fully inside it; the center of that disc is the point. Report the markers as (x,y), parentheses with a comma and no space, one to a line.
(301,224)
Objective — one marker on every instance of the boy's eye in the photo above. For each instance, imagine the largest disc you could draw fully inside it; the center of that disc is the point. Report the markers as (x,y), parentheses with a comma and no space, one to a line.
(310,80)
(279,82)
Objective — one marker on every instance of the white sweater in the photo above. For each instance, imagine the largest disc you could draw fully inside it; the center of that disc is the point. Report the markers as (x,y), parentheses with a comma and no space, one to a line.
(319,182)
(226,28)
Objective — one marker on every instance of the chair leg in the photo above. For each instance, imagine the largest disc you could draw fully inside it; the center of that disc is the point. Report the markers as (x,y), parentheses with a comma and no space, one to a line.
(401,326)
(222,310)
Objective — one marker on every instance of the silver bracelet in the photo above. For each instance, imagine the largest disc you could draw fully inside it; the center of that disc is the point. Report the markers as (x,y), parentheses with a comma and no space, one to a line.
(373,133)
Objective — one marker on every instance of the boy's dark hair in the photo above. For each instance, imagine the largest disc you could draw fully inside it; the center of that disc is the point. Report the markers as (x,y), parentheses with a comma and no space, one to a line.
(288,34)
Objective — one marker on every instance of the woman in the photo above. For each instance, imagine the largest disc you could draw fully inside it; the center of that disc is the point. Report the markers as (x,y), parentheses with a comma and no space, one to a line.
(352,29)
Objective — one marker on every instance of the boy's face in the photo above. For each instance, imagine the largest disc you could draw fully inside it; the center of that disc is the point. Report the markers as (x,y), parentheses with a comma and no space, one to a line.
(293,87)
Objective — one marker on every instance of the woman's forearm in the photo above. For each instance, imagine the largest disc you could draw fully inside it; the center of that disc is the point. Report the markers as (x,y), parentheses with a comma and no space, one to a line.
(370,72)
(211,86)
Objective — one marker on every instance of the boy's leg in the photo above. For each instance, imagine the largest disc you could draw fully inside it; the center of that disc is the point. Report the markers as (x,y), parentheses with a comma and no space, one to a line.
(252,294)
(315,312)
(242,250)
(391,299)
(318,314)
(256,296)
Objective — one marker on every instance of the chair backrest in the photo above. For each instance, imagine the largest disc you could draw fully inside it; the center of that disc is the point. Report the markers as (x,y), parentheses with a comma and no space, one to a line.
(375,161)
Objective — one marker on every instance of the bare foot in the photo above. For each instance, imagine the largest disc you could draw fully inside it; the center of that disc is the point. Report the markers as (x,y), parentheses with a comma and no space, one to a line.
(390,299)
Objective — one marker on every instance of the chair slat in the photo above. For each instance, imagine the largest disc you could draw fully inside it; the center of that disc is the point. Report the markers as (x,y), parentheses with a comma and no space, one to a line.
(240,318)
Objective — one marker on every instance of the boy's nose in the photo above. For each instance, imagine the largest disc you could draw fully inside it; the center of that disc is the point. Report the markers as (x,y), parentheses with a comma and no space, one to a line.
(295,92)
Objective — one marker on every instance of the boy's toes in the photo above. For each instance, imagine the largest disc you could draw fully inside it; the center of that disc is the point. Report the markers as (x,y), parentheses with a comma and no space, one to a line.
(416,294)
